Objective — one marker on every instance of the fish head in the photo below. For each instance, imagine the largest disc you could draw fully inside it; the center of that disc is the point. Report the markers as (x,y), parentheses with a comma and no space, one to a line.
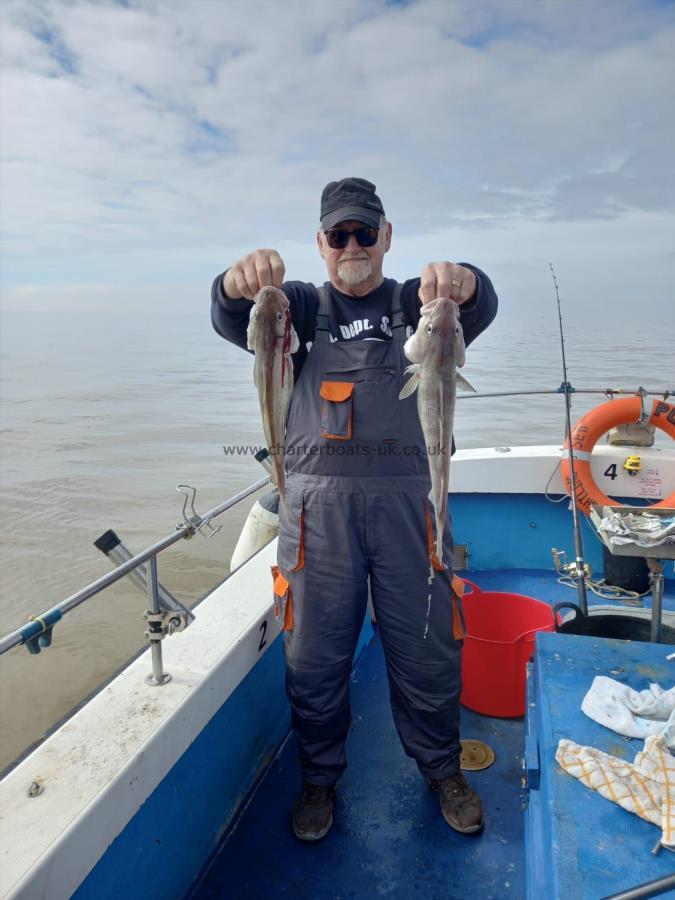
(439,339)
(269,320)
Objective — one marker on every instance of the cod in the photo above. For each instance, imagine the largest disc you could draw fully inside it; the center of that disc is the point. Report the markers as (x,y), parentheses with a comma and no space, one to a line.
(436,351)
(272,338)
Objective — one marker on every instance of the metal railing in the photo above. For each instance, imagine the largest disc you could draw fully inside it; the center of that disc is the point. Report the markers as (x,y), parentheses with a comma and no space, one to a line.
(605,392)
(164,616)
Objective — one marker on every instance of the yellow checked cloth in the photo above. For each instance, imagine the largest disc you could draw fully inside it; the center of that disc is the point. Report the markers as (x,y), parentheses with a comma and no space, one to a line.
(645,787)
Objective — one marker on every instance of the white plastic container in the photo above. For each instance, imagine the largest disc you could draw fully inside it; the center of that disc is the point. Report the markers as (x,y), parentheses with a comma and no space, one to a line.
(261,527)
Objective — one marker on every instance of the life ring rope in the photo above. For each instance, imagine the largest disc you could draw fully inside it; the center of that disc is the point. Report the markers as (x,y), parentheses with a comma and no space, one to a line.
(588,431)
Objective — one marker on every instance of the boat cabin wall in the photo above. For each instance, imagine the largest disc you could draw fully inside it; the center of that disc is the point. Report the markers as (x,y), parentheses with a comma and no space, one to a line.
(517,531)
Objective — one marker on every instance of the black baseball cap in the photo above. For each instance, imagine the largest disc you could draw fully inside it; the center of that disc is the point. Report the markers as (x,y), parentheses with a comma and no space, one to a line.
(351,198)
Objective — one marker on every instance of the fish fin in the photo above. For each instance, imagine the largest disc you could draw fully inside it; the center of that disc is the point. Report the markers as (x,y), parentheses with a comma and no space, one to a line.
(464,384)
(295,341)
(410,386)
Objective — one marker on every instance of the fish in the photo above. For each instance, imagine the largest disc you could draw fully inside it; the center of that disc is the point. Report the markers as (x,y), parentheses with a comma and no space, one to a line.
(436,350)
(272,338)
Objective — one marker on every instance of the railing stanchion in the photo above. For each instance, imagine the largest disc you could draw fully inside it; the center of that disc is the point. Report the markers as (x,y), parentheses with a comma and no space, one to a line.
(155,633)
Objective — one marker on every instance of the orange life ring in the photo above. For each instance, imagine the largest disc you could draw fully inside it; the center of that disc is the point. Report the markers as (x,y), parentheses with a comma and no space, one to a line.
(590,428)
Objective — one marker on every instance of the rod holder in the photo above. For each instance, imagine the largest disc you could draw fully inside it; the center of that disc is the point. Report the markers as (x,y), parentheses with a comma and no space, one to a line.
(112,546)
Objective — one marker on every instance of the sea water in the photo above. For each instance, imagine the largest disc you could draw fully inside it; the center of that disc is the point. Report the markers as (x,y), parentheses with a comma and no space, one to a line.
(103,414)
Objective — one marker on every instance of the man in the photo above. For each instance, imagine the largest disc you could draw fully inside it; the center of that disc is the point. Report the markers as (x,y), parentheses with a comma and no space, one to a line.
(357,493)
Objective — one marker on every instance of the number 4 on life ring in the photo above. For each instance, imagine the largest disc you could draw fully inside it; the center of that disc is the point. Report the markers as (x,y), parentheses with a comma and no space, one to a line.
(588,431)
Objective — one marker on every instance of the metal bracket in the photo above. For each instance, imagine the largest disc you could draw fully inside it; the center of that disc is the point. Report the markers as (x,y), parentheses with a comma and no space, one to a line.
(38,632)
(460,557)
(644,414)
(191,517)
(163,624)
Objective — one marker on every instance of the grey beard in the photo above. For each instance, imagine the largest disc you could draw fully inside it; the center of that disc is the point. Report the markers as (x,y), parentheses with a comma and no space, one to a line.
(356,272)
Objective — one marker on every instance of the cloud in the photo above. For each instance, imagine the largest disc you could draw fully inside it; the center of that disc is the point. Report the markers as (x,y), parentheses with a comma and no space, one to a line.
(146,141)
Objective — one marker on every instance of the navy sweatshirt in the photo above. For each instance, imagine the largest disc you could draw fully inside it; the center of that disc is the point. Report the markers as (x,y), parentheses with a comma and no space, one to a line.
(352,318)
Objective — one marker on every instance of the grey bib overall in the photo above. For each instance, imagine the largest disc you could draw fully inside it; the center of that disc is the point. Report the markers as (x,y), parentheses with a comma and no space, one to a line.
(356,492)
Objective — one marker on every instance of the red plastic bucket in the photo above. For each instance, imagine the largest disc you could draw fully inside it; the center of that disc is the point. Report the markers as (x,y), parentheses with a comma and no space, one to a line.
(500,630)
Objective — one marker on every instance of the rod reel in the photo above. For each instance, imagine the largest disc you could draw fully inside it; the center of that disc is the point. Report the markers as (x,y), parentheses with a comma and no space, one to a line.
(568,569)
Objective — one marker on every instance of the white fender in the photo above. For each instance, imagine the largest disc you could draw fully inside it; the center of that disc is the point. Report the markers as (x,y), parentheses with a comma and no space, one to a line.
(259,529)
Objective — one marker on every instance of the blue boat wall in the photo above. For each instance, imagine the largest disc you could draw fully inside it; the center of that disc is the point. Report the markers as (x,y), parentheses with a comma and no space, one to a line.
(141,784)
(501,514)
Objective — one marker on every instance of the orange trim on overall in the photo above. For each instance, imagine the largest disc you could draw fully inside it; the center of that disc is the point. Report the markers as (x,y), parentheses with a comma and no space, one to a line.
(282,589)
(458,631)
(590,428)
(338,392)
(431,541)
(288,614)
(280,583)
(301,549)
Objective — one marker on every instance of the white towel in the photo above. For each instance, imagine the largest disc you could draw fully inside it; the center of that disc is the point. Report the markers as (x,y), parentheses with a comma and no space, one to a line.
(645,787)
(633,713)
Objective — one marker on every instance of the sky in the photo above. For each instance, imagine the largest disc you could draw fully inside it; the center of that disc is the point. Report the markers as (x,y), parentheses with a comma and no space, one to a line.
(148,144)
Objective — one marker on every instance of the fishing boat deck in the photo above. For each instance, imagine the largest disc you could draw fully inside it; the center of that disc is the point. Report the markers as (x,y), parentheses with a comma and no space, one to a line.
(543,584)
(389,837)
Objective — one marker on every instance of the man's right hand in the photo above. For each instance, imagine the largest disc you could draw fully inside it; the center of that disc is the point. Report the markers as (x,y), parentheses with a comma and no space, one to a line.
(253,271)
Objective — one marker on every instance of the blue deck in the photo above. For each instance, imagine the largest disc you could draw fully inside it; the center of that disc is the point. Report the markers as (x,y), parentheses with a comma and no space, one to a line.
(542,584)
(389,838)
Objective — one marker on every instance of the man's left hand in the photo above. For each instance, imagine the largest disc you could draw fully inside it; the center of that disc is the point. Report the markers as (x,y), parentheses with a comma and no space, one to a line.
(446,279)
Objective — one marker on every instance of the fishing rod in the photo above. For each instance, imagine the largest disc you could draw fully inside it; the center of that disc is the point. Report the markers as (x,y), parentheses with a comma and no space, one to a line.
(580,574)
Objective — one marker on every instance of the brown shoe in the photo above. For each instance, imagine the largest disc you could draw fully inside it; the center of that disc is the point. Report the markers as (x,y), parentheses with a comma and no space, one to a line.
(460,804)
(313,812)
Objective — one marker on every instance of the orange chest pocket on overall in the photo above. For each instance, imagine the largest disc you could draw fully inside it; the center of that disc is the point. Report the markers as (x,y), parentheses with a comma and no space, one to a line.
(337,413)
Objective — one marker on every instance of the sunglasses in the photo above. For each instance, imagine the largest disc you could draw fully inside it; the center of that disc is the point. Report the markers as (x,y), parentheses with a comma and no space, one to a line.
(338,238)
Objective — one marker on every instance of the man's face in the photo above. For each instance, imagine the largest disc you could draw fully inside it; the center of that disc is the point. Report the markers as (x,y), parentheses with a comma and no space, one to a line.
(355,270)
